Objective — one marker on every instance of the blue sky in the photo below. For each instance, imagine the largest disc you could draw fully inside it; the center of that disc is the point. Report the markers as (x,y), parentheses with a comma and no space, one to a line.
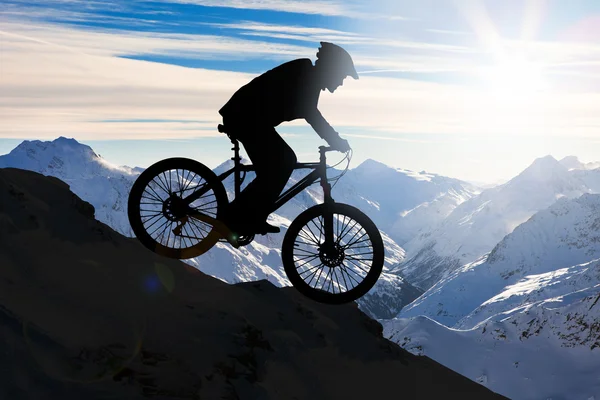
(466,88)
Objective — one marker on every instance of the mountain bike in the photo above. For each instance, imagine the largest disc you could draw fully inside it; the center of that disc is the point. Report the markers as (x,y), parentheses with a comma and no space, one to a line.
(332,252)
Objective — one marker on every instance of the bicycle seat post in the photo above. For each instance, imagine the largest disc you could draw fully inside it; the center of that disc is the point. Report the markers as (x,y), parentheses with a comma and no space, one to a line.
(236,164)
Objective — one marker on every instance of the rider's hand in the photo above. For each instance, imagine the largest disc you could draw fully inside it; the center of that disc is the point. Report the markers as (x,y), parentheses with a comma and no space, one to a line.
(340,144)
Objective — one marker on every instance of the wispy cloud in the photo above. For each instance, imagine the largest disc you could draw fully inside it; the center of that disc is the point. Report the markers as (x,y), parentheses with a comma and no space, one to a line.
(58,80)
(345,8)
(68,80)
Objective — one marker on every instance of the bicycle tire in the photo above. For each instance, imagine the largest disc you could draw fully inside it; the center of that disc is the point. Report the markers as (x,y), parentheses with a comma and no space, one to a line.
(290,244)
(136,199)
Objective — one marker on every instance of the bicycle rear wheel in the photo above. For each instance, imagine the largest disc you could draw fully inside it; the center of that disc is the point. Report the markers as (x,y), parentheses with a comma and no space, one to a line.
(161,221)
(342,274)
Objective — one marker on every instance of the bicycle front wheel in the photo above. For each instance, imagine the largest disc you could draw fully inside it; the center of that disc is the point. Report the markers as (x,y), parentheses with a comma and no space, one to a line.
(344,272)
(160,219)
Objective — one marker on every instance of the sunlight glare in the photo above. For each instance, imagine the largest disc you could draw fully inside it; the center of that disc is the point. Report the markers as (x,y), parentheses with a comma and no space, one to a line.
(515,81)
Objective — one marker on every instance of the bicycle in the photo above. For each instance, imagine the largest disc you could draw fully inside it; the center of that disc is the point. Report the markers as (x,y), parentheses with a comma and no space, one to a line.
(330,236)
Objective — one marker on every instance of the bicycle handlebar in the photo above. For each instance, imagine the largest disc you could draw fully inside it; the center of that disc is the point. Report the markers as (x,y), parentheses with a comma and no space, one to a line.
(325,149)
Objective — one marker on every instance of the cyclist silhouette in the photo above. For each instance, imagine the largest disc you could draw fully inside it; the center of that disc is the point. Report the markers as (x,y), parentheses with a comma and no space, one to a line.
(285,93)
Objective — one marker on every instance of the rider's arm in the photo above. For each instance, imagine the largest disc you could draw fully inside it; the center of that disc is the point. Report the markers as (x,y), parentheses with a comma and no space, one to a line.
(321,126)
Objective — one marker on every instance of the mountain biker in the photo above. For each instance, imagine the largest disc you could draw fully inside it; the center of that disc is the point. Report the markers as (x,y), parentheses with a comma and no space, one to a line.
(285,93)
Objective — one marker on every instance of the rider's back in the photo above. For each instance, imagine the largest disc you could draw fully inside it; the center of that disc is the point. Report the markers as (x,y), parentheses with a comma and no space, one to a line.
(284,93)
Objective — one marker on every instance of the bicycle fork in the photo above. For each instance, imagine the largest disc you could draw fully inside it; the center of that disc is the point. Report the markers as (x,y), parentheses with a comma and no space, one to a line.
(328,244)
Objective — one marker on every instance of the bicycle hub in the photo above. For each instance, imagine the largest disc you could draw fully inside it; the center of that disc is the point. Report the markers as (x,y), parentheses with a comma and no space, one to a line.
(331,255)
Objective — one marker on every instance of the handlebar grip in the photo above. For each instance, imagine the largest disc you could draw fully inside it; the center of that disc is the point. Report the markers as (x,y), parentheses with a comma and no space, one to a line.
(325,149)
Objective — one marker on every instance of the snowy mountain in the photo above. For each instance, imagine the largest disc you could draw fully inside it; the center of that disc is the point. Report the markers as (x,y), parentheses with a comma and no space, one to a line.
(475,226)
(561,236)
(402,202)
(573,163)
(370,187)
(94,179)
(546,350)
(524,318)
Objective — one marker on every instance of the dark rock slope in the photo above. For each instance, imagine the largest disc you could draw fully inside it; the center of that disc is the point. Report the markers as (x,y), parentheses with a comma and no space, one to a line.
(86,313)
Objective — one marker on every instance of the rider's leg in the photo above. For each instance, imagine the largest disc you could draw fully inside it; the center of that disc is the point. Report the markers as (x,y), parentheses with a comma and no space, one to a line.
(274,162)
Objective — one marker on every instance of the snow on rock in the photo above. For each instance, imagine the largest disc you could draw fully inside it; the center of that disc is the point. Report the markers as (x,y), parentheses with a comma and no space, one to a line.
(102,184)
(523,320)
(563,235)
(573,163)
(387,195)
(475,226)
(548,350)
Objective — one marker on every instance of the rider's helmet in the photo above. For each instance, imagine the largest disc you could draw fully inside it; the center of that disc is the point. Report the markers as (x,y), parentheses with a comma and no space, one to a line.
(335,60)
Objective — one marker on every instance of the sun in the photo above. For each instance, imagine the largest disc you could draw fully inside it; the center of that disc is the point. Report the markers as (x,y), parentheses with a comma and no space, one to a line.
(514,81)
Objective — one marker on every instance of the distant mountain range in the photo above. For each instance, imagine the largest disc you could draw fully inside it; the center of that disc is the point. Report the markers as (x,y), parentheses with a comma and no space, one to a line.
(499,283)
(475,226)
(525,318)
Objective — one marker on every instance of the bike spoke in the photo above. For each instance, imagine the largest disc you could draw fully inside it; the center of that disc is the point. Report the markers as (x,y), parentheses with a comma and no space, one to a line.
(309,240)
(179,180)
(321,234)
(307,235)
(185,228)
(337,280)
(357,266)
(363,247)
(305,257)
(156,193)
(167,221)
(158,200)
(161,235)
(169,230)
(344,277)
(210,202)
(352,238)
(165,188)
(189,182)
(170,181)
(154,212)
(149,219)
(346,231)
(306,262)
(305,251)
(315,273)
(343,267)
(195,222)
(185,181)
(328,274)
(148,227)
(319,276)
(361,254)
(356,241)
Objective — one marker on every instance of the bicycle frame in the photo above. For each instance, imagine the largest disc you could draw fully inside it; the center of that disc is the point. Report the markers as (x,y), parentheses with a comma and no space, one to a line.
(319,172)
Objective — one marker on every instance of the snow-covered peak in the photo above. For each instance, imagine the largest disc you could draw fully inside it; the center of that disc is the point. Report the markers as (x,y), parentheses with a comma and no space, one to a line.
(543,169)
(63,157)
(59,146)
(560,236)
(573,163)
(227,165)
(372,165)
